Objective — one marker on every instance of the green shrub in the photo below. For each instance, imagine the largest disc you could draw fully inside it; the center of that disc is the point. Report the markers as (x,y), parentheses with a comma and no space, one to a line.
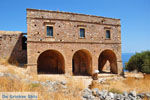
(146,66)
(139,62)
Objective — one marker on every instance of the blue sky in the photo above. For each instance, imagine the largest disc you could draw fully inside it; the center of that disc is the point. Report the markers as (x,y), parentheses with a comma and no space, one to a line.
(134,15)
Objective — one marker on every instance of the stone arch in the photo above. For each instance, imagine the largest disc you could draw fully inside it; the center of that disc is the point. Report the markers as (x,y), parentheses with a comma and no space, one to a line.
(82,63)
(105,57)
(51,62)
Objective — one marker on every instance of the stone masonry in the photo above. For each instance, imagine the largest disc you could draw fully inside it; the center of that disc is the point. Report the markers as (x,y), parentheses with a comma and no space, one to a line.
(11,47)
(66,52)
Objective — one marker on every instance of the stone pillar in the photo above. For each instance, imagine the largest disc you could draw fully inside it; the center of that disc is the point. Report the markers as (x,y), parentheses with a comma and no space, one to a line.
(94,63)
(120,67)
(68,65)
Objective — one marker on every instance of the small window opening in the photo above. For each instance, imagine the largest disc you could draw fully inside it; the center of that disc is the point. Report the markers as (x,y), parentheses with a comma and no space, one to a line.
(82,32)
(24,43)
(50,31)
(107,34)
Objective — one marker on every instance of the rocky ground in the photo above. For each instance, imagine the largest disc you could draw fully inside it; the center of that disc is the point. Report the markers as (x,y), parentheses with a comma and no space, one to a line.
(73,87)
(96,94)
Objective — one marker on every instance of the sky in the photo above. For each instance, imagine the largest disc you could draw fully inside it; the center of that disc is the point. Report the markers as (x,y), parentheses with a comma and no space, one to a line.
(134,15)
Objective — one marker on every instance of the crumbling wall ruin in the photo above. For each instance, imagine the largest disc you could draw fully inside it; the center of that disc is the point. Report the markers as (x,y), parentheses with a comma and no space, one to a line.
(11,47)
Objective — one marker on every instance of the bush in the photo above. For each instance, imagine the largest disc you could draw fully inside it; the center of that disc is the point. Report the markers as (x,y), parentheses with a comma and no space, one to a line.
(139,62)
(146,66)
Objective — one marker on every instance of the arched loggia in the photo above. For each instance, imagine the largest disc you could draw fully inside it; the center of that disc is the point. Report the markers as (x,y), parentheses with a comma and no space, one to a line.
(82,63)
(111,59)
(51,62)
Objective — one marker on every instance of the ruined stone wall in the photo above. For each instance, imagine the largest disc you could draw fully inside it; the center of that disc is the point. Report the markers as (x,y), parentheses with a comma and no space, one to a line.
(66,37)
(11,47)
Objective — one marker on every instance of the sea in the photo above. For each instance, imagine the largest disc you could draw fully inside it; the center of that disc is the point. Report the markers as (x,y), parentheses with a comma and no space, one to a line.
(126,57)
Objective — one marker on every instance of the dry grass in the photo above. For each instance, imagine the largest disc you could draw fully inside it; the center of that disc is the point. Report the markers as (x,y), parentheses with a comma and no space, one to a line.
(8,85)
(8,61)
(11,70)
(48,77)
(62,96)
(76,84)
(13,61)
(75,87)
(4,61)
(140,85)
(71,93)
(127,84)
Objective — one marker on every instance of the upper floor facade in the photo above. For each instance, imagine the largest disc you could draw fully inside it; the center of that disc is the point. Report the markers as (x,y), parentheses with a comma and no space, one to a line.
(55,26)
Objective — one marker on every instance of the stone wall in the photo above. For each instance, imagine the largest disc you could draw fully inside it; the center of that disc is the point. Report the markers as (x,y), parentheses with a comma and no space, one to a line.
(66,39)
(11,47)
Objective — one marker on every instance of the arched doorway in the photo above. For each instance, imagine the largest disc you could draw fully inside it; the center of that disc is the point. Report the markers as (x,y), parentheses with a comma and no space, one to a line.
(51,62)
(82,63)
(107,60)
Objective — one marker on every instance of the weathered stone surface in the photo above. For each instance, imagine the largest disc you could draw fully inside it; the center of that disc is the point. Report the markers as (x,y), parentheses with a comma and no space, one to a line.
(133,93)
(87,93)
(125,94)
(105,95)
(65,52)
(63,82)
(141,95)
(102,80)
(11,47)
(67,43)
(148,95)
(12,76)
(111,95)
(95,92)
(35,82)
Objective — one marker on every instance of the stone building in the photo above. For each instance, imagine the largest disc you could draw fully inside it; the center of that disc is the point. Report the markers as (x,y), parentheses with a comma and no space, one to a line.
(71,43)
(13,46)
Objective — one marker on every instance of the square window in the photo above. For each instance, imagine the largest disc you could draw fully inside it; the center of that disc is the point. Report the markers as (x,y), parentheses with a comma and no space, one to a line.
(107,34)
(82,32)
(49,31)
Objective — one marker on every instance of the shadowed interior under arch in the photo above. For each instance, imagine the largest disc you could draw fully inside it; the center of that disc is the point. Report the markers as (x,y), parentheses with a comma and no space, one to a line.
(82,63)
(108,55)
(51,62)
